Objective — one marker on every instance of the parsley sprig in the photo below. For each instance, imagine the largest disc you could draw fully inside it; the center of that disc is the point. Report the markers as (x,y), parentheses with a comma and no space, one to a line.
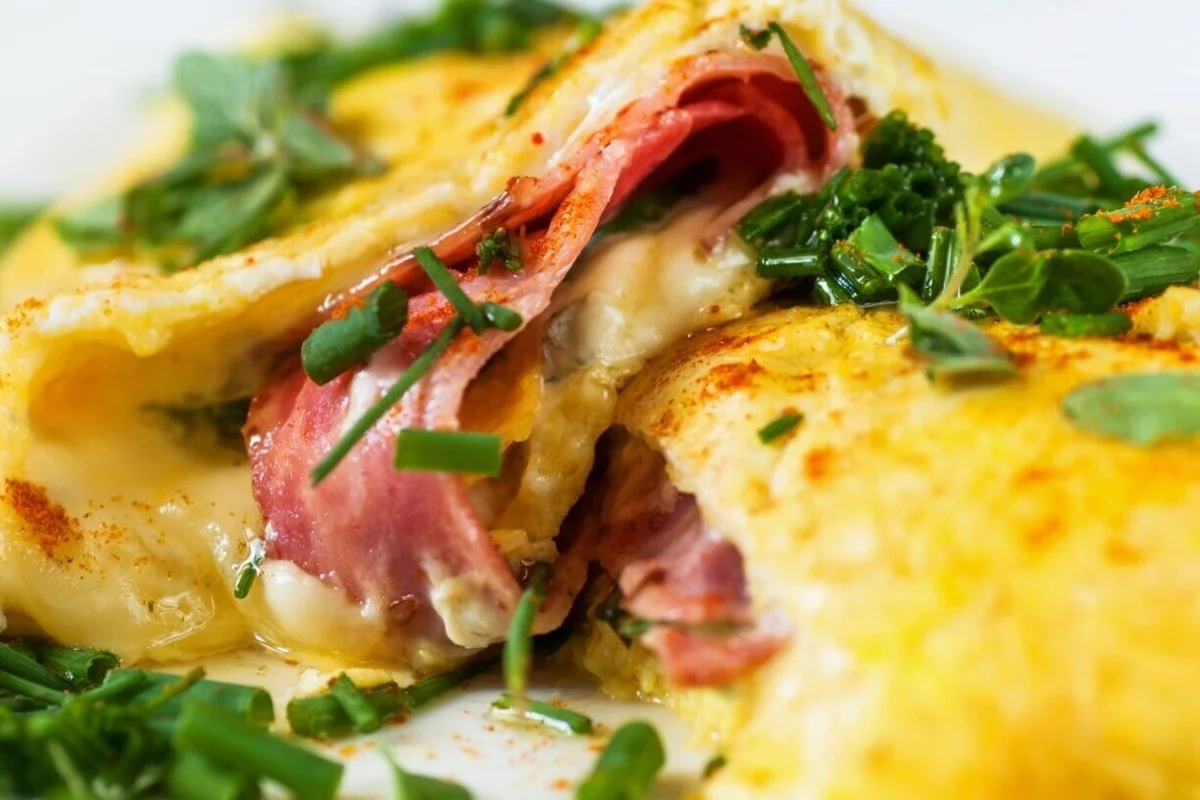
(255,150)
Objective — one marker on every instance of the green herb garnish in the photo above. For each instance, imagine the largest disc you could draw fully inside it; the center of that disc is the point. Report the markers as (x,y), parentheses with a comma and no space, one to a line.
(410,786)
(804,71)
(376,412)
(585,33)
(628,767)
(362,713)
(519,644)
(713,766)
(497,246)
(957,349)
(14,219)
(463,452)
(546,715)
(1113,323)
(224,739)
(322,716)
(479,27)
(779,426)
(340,343)
(447,284)
(250,569)
(1139,408)
(254,149)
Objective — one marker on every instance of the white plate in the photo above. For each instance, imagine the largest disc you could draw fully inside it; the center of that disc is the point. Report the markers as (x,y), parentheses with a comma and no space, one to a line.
(456,739)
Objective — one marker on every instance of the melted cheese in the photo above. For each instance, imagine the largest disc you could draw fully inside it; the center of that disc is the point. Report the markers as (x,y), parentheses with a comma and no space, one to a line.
(629,297)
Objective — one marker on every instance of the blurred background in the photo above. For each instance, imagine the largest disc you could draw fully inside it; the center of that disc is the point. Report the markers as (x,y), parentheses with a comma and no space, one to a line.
(74,73)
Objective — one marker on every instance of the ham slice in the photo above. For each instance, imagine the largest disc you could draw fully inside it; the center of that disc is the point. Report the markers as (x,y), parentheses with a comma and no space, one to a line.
(409,542)
(685,579)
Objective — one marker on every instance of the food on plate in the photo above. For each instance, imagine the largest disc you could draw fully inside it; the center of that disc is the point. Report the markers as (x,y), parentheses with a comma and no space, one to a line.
(128,520)
(370,389)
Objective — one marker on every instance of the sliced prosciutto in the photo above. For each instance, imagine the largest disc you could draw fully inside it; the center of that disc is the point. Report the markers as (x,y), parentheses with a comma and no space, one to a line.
(687,581)
(410,543)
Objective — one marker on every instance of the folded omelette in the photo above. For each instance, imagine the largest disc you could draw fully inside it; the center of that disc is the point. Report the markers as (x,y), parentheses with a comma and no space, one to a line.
(131,504)
(917,593)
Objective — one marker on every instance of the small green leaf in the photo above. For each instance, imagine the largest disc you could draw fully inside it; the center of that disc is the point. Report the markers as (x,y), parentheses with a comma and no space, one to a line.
(13,221)
(1081,282)
(422,787)
(1008,178)
(1012,287)
(231,97)
(1139,408)
(628,767)
(958,351)
(1112,323)
(94,227)
(757,39)
(316,153)
(220,219)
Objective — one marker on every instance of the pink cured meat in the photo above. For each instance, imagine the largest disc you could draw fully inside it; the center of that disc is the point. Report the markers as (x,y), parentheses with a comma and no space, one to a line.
(410,541)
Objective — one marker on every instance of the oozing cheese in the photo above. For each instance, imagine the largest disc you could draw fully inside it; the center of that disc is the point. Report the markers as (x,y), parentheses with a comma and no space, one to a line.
(630,296)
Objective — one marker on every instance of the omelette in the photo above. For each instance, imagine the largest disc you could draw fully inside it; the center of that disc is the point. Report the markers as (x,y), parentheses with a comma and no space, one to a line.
(127,518)
(936,593)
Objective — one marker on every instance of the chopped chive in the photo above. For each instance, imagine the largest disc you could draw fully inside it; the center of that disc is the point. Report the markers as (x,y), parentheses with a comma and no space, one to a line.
(341,343)
(767,218)
(1149,218)
(19,665)
(385,403)
(501,317)
(465,452)
(519,644)
(547,715)
(943,251)
(358,708)
(250,704)
(29,688)
(804,71)
(222,737)
(1100,160)
(1052,234)
(426,691)
(323,717)
(250,569)
(1112,323)
(119,684)
(585,32)
(779,426)
(1151,270)
(194,777)
(829,291)
(446,283)
(1041,204)
(789,262)
(82,667)
(629,765)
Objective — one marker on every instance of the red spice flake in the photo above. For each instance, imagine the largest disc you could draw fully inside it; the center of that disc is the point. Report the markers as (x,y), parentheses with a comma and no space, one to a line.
(817,463)
(560,784)
(1044,533)
(1147,195)
(538,139)
(347,750)
(725,378)
(48,523)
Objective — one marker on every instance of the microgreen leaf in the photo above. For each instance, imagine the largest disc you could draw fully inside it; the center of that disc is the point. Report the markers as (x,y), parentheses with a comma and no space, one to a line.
(1012,287)
(628,767)
(1139,408)
(410,786)
(1080,282)
(957,349)
(1008,178)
